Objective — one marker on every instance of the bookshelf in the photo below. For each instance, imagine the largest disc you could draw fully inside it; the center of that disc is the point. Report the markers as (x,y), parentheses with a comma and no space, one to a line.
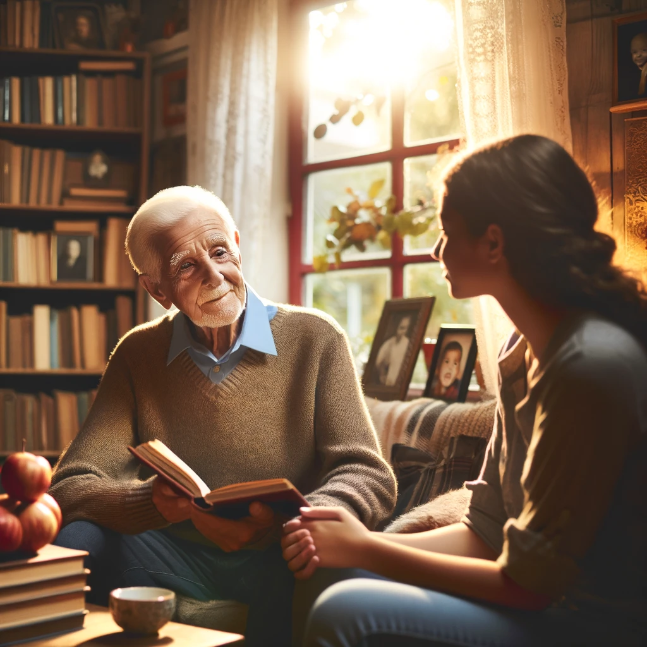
(47,403)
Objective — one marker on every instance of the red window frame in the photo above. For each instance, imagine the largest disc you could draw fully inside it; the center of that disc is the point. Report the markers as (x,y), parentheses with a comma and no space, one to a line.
(299,169)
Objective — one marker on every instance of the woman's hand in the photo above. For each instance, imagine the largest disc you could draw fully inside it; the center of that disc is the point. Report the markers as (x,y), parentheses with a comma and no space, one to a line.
(328,537)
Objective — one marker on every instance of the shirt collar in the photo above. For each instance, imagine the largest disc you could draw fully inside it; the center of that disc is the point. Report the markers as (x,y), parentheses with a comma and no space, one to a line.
(256,332)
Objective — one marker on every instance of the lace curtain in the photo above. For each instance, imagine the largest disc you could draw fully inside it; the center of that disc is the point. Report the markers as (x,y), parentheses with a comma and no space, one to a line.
(512,80)
(230,126)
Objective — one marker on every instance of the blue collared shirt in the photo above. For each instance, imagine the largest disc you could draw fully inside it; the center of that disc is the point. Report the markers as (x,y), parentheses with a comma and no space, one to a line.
(255,334)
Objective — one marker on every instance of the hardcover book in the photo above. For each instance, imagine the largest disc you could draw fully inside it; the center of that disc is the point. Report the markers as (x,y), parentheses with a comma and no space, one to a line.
(231,501)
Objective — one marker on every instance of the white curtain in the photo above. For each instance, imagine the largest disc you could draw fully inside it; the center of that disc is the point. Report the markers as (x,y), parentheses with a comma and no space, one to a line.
(230,125)
(512,80)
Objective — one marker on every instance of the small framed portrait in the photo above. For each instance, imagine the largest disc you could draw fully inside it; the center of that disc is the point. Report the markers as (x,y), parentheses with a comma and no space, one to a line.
(630,59)
(395,347)
(78,25)
(452,363)
(96,169)
(174,97)
(73,257)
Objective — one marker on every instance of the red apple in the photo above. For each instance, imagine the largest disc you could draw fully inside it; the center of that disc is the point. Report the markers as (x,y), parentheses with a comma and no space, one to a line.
(11,533)
(39,526)
(25,476)
(52,504)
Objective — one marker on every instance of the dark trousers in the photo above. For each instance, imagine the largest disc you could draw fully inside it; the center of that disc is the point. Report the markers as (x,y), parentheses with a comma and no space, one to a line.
(260,579)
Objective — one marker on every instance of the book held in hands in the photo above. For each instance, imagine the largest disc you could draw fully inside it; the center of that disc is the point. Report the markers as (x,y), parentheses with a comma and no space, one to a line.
(231,501)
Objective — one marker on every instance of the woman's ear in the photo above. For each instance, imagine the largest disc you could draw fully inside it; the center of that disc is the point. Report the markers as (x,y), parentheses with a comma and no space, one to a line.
(495,244)
(154,290)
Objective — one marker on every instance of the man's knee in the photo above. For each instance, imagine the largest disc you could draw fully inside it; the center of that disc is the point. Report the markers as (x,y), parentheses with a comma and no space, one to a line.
(84,535)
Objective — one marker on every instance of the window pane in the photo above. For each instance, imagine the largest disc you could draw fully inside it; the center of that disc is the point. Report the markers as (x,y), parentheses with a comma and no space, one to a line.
(348,98)
(421,179)
(425,279)
(355,298)
(431,102)
(327,189)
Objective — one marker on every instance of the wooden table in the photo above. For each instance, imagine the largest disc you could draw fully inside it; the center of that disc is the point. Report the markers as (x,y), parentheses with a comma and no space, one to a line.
(100,630)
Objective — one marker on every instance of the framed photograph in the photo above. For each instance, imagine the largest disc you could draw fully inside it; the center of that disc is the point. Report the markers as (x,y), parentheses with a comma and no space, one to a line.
(174,97)
(452,363)
(395,347)
(78,25)
(96,169)
(630,59)
(73,257)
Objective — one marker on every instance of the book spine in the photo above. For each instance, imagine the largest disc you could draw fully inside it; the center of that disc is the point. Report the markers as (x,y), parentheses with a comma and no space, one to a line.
(25,100)
(35,100)
(59,115)
(15,100)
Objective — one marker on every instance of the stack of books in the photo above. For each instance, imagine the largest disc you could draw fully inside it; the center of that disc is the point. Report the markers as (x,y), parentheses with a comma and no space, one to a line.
(31,175)
(97,101)
(41,595)
(25,23)
(47,423)
(72,337)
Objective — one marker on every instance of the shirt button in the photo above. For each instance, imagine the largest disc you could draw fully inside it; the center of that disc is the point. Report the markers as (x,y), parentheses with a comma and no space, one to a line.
(216,369)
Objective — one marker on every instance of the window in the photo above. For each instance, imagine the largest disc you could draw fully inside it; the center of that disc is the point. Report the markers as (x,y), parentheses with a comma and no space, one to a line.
(378,102)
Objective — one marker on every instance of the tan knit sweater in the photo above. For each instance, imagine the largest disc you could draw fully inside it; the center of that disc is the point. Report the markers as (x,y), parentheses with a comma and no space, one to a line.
(298,415)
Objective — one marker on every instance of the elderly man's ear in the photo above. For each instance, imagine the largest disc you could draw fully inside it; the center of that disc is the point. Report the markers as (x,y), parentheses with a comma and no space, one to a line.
(154,290)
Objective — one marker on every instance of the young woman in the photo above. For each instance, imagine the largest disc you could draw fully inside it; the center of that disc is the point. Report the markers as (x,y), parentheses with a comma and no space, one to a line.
(553,547)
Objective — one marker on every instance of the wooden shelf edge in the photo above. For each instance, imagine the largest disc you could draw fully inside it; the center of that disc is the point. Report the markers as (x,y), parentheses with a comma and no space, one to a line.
(51,371)
(66,286)
(31,209)
(87,130)
(633,106)
(76,53)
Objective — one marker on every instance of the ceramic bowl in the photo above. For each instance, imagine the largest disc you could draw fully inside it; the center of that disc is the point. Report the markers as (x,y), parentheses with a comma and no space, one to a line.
(142,609)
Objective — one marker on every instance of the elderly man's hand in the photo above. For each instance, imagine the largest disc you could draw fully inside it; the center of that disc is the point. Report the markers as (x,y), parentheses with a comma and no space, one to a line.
(172,506)
(234,535)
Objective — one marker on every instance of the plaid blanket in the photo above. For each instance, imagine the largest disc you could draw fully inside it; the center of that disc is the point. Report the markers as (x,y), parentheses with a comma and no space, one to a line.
(429,424)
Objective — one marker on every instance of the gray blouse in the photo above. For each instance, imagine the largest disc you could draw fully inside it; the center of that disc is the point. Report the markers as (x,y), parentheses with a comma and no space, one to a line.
(562,496)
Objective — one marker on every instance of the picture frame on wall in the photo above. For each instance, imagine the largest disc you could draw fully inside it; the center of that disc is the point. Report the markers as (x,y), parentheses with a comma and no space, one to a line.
(630,59)
(452,363)
(78,26)
(174,97)
(73,257)
(395,347)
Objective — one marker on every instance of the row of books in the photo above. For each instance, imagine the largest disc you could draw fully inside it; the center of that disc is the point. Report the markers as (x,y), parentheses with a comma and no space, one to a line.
(51,177)
(68,254)
(25,23)
(47,423)
(109,101)
(72,337)
(41,595)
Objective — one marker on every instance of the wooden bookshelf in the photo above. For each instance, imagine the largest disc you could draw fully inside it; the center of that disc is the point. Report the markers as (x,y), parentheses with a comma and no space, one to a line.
(127,144)
(66,286)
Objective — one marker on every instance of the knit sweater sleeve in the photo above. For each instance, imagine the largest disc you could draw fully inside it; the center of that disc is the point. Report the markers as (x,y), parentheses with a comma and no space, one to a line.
(356,476)
(96,477)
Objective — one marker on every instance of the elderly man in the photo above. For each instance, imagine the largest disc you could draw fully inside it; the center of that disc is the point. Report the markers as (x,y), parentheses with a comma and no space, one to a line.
(240,389)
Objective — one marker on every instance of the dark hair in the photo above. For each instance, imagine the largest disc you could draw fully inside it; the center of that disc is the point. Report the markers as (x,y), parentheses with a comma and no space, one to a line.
(547,209)
(452,345)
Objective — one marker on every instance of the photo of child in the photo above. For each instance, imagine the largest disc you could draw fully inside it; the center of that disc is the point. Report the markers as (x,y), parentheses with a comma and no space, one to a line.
(447,379)
(452,363)
(631,58)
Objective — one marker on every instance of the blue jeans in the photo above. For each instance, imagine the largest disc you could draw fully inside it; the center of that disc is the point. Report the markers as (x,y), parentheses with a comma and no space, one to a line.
(372,612)
(260,579)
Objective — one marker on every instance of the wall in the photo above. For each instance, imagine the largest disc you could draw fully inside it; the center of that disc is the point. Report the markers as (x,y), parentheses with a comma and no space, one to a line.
(598,136)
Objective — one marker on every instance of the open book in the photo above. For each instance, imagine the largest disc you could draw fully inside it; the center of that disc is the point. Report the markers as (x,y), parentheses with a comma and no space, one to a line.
(231,501)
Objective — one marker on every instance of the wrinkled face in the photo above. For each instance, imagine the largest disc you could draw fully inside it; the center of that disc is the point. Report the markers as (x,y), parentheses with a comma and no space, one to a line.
(73,249)
(639,50)
(449,367)
(402,328)
(460,256)
(201,269)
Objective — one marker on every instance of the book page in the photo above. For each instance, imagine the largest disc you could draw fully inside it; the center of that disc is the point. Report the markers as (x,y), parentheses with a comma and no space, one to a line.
(172,465)
(251,488)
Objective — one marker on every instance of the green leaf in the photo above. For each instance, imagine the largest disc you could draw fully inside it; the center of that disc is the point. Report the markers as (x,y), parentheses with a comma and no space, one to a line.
(389,223)
(331,242)
(320,263)
(337,259)
(390,204)
(340,231)
(375,188)
(337,214)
